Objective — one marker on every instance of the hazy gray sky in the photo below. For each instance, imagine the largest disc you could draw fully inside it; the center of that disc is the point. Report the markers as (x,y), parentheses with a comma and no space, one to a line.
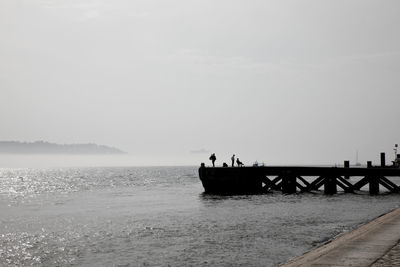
(274,81)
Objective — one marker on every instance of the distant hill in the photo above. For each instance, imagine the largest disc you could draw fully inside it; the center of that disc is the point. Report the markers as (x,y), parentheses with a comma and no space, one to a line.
(42,147)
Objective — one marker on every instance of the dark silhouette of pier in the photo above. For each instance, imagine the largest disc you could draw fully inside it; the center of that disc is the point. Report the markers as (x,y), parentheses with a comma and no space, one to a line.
(292,179)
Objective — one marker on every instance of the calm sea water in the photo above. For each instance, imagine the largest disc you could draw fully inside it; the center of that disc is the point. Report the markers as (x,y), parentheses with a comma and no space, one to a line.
(158,216)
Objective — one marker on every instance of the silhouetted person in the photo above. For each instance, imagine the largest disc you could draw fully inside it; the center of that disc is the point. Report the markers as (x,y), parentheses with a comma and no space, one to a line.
(233,160)
(239,163)
(213,158)
(224,165)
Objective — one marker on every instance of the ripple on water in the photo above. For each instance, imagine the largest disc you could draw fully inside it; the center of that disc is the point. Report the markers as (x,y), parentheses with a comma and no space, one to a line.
(25,183)
(158,217)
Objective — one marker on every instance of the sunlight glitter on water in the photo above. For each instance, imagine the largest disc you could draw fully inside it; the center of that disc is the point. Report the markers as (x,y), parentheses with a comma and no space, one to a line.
(159,216)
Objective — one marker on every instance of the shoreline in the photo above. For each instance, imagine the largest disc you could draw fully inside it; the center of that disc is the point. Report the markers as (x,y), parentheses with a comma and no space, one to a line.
(362,246)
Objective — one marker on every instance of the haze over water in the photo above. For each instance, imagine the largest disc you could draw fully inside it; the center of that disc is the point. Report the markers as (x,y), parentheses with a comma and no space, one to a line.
(158,216)
(305,82)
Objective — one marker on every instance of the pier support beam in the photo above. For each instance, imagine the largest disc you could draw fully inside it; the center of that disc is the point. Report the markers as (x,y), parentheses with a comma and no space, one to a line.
(373,185)
(330,185)
(392,187)
(349,187)
(289,184)
(373,182)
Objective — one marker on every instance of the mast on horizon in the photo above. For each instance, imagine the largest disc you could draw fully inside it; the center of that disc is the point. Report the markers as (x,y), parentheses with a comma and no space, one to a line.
(357,163)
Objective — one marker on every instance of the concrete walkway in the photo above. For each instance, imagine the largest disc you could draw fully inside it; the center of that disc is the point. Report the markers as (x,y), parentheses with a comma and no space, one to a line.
(392,258)
(373,244)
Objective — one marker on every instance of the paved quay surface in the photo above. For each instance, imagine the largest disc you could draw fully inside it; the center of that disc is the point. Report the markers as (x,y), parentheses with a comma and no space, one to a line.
(374,244)
(392,258)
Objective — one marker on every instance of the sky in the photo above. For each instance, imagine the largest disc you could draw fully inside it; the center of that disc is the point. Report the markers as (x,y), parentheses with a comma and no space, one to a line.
(280,82)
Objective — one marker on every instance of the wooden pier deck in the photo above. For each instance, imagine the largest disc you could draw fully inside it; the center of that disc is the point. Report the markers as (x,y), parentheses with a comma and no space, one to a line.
(292,179)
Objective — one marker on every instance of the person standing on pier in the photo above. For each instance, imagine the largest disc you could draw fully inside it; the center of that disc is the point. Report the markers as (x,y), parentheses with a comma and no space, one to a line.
(233,160)
(213,158)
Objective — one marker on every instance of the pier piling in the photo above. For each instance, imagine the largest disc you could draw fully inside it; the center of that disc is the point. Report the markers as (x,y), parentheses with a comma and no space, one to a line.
(346,165)
(289,184)
(330,185)
(373,185)
(383,159)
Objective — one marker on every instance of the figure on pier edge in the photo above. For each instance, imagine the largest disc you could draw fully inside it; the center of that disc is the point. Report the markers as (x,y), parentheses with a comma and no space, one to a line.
(213,158)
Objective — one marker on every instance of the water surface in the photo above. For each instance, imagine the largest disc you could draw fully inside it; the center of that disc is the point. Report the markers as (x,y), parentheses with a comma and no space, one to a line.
(158,216)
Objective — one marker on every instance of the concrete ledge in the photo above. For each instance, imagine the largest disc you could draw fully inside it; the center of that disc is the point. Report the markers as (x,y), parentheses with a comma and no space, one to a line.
(361,247)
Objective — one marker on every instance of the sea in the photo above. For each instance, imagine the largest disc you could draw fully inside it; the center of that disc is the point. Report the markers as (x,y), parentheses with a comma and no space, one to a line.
(160,216)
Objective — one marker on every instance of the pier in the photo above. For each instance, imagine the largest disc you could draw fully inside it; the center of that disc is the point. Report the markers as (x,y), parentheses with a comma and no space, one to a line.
(293,179)
(374,244)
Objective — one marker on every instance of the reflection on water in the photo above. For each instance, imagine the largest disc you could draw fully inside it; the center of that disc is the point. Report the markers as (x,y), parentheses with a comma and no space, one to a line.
(160,217)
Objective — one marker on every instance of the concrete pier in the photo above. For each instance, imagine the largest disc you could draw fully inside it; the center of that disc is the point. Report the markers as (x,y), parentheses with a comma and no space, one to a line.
(292,179)
(373,244)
